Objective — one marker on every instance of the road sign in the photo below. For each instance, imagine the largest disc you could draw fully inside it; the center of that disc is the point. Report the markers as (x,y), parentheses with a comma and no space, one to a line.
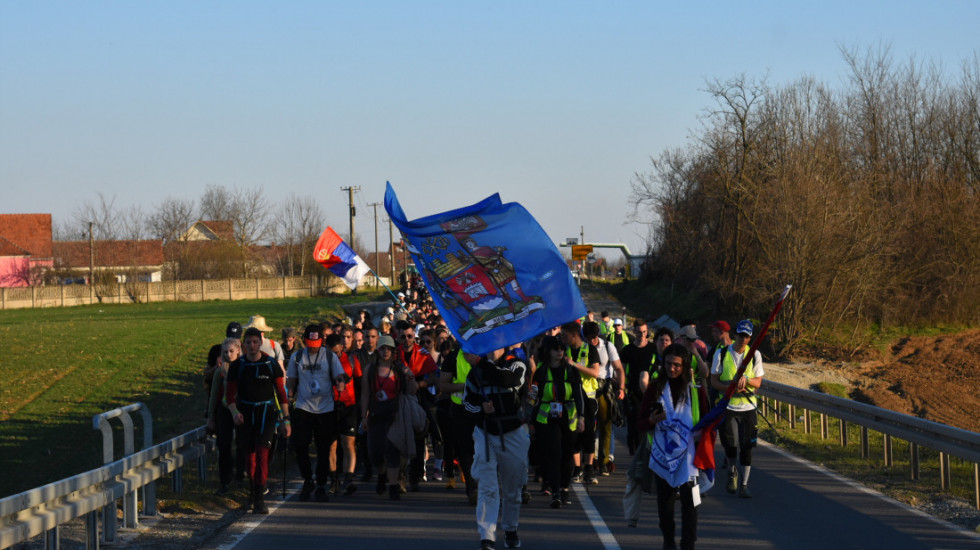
(571,240)
(581,251)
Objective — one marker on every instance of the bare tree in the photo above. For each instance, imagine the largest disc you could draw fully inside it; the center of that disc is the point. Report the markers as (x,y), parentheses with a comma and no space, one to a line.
(171,218)
(250,214)
(217,203)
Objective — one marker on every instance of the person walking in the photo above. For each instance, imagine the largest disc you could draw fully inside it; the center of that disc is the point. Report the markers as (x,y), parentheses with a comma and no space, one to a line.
(383,382)
(495,392)
(556,418)
(311,377)
(256,396)
(739,430)
(220,422)
(672,408)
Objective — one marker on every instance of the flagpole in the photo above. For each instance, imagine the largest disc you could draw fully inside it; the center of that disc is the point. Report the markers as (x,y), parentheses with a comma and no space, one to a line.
(377,278)
(756,343)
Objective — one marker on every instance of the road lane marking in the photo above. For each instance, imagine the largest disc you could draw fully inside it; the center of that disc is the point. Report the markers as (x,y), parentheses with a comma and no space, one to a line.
(252,521)
(606,537)
(857,486)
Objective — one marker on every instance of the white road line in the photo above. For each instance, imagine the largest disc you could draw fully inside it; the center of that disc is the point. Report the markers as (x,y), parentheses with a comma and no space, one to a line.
(254,520)
(609,542)
(857,486)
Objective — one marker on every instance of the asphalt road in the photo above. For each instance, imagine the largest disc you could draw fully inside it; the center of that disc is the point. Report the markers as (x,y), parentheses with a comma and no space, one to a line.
(796,505)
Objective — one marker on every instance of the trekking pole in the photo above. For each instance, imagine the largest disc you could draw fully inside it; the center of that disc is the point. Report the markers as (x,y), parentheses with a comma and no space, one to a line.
(285,445)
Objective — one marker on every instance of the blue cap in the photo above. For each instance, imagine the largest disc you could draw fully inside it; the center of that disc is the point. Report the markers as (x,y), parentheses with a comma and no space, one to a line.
(744,327)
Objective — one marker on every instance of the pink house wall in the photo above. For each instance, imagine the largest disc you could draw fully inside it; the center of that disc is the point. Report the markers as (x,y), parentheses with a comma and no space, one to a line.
(12,269)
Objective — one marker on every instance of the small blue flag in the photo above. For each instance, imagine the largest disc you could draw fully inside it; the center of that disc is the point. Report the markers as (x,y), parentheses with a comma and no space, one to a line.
(492,271)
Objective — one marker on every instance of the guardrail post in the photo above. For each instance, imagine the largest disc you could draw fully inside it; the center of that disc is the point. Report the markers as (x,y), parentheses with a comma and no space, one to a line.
(109,510)
(176,481)
(944,470)
(52,538)
(865,446)
(976,485)
(130,505)
(824,429)
(92,531)
(130,501)
(913,461)
(843,433)
(807,424)
(887,444)
(792,416)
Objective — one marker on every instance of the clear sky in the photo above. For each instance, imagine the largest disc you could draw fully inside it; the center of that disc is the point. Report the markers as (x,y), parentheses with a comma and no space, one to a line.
(553,104)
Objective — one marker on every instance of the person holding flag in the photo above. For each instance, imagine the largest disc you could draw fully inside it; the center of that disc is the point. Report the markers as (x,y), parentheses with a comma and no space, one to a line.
(671,408)
(739,428)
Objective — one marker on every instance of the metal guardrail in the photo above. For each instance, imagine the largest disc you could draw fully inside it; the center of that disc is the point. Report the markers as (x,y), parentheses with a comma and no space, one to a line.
(94,493)
(949,441)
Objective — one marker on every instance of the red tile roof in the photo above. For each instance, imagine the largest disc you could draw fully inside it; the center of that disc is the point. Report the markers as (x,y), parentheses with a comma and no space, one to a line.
(30,232)
(109,253)
(224,229)
(8,248)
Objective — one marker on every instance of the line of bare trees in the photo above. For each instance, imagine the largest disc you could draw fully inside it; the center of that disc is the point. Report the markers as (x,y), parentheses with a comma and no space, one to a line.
(292,225)
(864,198)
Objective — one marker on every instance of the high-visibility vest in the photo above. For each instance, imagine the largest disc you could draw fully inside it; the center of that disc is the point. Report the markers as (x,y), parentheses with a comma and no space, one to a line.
(547,397)
(626,338)
(728,370)
(462,371)
(589,384)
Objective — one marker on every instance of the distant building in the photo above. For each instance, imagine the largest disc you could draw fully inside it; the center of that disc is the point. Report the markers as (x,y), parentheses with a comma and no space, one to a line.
(127,261)
(210,230)
(25,248)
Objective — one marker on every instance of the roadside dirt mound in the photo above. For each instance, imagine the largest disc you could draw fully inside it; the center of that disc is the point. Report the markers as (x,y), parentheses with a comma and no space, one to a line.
(937,378)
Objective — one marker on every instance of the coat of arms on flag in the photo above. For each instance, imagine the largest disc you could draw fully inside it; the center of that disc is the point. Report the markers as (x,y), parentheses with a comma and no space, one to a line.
(493,272)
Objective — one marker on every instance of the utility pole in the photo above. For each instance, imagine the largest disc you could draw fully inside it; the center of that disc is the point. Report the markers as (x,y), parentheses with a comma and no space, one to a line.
(377,264)
(391,250)
(353,211)
(91,255)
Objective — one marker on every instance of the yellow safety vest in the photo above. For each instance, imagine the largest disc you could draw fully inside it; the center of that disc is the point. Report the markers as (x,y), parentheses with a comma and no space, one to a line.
(462,371)
(548,397)
(589,384)
(728,370)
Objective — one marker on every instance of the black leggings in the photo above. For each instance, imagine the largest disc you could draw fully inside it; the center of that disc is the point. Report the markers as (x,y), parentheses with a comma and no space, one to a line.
(739,433)
(320,429)
(556,444)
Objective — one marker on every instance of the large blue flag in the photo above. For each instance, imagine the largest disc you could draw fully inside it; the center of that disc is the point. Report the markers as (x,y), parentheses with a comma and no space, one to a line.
(492,271)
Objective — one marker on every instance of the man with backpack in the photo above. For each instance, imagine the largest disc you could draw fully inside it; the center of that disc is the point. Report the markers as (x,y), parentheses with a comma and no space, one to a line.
(494,393)
(312,374)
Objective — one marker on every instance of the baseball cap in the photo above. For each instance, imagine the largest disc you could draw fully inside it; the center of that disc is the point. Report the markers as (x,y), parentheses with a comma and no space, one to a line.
(688,332)
(618,322)
(385,340)
(722,325)
(234,330)
(744,327)
(312,337)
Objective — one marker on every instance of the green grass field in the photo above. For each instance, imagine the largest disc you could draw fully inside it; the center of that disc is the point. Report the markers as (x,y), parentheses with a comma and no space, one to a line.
(61,366)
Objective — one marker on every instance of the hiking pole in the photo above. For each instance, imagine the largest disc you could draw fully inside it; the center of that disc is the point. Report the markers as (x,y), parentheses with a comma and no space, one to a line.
(285,445)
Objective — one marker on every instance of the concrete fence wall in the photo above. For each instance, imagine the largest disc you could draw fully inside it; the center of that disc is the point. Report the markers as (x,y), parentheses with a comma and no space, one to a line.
(171,291)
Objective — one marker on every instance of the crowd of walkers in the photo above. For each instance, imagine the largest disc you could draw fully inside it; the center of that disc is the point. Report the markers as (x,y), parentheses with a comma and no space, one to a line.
(394,402)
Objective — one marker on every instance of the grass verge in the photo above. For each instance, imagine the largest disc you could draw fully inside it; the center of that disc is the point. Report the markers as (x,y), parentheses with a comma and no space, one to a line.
(63,365)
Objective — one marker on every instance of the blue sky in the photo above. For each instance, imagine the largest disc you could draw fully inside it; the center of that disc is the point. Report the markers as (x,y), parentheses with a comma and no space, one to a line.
(552,104)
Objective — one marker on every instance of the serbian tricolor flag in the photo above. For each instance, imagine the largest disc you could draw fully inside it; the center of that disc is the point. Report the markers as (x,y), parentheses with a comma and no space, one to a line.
(704,454)
(333,253)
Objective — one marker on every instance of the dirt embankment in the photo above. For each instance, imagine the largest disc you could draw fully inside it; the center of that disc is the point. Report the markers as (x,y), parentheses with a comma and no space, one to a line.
(932,377)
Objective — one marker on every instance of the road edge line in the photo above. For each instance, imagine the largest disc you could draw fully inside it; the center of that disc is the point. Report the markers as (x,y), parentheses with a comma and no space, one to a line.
(606,537)
(854,484)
